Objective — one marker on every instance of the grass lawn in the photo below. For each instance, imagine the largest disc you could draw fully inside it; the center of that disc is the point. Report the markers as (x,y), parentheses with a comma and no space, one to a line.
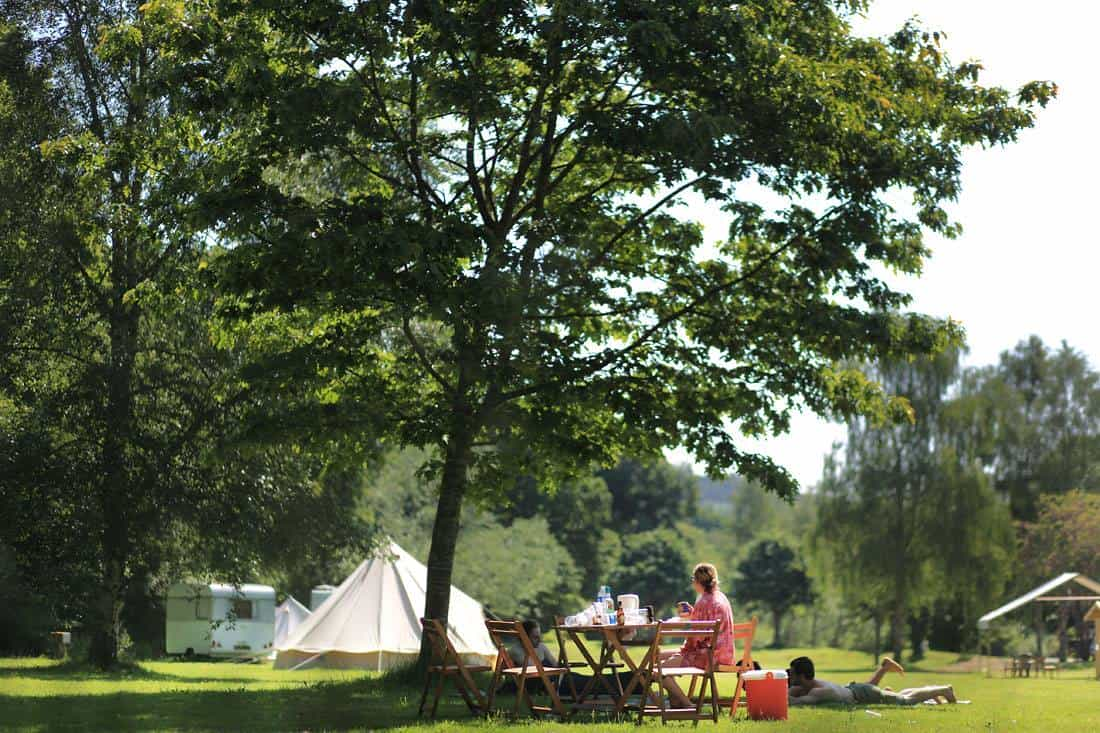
(39,695)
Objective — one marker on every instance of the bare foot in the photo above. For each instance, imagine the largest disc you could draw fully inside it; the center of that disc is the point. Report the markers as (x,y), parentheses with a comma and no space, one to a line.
(891,666)
(950,695)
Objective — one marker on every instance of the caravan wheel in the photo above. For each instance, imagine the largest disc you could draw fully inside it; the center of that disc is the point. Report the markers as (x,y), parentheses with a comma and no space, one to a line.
(189,655)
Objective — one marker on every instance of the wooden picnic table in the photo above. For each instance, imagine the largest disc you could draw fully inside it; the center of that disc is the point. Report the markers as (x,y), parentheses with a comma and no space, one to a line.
(612,636)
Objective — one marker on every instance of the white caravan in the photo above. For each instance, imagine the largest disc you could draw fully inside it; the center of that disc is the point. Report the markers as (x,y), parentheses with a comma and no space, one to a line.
(219,620)
(319,595)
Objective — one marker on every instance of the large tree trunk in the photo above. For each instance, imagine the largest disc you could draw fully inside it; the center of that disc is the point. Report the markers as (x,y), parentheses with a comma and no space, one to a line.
(1082,627)
(897,633)
(878,637)
(777,637)
(441,557)
(918,628)
(114,492)
(105,621)
(899,612)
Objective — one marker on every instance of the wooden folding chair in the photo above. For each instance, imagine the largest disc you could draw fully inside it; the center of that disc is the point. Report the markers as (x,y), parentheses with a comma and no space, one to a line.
(743,634)
(530,668)
(657,673)
(447,664)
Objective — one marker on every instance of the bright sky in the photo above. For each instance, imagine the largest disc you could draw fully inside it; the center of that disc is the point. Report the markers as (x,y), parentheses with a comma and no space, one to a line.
(1028,260)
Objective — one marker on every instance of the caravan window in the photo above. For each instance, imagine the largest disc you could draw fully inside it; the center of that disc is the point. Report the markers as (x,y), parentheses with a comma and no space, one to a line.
(242,609)
(202,608)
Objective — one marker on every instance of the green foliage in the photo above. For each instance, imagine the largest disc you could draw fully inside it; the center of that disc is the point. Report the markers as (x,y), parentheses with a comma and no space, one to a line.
(316,531)
(26,618)
(399,499)
(900,512)
(124,419)
(466,232)
(649,493)
(450,226)
(771,577)
(513,561)
(1066,536)
(489,240)
(1036,423)
(654,565)
(519,571)
(578,514)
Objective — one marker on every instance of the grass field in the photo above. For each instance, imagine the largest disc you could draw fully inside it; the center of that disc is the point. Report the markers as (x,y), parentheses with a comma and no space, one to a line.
(39,695)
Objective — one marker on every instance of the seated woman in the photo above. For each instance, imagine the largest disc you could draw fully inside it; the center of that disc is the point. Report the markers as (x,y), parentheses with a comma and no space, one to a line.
(711,605)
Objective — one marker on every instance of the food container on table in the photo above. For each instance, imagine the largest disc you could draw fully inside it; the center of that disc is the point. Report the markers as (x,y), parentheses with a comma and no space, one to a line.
(766,691)
(629,602)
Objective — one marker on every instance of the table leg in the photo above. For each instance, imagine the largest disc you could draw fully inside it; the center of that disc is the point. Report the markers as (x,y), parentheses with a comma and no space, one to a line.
(607,655)
(637,669)
(597,669)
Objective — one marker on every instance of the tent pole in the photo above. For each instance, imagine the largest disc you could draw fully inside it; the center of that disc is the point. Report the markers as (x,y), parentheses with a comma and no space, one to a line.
(302,665)
(984,651)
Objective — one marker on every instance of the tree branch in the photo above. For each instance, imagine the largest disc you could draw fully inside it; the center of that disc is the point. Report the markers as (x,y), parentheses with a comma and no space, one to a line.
(603,254)
(615,355)
(422,355)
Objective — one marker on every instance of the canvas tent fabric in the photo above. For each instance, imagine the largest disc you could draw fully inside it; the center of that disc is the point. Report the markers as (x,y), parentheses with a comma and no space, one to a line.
(1042,590)
(372,620)
(288,617)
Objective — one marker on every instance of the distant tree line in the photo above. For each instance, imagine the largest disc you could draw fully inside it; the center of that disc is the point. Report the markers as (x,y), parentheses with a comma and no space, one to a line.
(980,496)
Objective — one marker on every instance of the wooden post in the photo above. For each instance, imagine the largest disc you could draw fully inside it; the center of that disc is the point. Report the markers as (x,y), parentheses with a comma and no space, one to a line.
(1094,616)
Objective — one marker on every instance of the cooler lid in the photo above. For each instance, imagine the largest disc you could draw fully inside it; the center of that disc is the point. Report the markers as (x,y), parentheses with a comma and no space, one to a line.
(763,674)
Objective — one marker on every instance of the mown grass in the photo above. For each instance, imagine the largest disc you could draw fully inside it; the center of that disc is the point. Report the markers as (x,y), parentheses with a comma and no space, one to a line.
(39,695)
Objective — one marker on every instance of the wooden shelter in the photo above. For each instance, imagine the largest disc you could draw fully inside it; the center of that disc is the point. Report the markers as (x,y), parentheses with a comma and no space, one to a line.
(1067,590)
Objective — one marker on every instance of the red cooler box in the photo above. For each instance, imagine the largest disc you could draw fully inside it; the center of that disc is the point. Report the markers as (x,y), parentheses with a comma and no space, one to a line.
(766,690)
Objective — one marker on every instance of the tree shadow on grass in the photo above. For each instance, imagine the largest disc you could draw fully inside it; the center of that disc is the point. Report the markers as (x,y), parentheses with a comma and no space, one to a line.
(83,673)
(360,704)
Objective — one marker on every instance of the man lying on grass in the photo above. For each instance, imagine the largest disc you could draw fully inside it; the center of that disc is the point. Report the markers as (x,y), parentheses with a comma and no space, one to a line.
(805,689)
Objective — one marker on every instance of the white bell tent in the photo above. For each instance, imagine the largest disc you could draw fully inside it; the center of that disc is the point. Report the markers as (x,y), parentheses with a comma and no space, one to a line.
(288,617)
(372,620)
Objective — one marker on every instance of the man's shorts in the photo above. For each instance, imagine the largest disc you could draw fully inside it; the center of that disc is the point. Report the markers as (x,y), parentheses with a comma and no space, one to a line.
(865,694)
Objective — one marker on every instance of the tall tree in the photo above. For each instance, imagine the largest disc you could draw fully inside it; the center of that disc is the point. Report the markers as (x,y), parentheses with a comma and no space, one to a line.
(1039,427)
(120,401)
(578,513)
(501,214)
(77,355)
(905,517)
(771,576)
(1066,535)
(655,566)
(649,493)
